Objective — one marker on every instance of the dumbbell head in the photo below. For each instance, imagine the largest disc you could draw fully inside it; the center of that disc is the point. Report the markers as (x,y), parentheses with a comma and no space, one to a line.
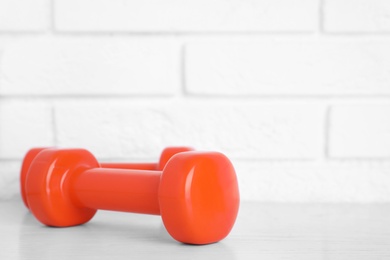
(47,188)
(166,154)
(198,193)
(28,158)
(199,197)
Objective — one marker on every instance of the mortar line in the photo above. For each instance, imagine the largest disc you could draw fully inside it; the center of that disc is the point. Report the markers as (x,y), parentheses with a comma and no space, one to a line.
(183,33)
(52,16)
(183,74)
(327,125)
(260,97)
(321,17)
(54,126)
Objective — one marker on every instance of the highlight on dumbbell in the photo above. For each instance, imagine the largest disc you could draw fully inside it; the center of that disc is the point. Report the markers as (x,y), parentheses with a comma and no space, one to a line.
(196,193)
(166,154)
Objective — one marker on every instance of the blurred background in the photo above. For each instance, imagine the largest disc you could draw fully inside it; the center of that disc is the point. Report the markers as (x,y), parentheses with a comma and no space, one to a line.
(295,92)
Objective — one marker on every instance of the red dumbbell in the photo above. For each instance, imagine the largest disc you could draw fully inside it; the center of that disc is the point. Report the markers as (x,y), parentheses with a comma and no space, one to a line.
(196,194)
(166,154)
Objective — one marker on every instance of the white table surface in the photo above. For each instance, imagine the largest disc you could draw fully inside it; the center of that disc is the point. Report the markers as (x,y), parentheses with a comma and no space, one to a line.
(262,231)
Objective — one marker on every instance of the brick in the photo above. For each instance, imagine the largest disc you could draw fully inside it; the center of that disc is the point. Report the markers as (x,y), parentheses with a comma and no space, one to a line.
(186,15)
(9,179)
(288,67)
(89,66)
(240,130)
(294,181)
(24,15)
(24,125)
(357,16)
(360,131)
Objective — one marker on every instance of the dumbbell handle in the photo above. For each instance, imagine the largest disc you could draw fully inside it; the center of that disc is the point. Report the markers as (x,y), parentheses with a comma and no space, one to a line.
(117,189)
(141,166)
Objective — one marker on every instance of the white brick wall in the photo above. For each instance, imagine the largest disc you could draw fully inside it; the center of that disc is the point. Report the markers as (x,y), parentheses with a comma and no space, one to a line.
(24,124)
(72,66)
(357,16)
(331,181)
(289,67)
(24,15)
(185,15)
(242,130)
(296,93)
(360,130)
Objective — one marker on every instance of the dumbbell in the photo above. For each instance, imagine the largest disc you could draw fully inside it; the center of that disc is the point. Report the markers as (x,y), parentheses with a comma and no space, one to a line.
(166,154)
(196,193)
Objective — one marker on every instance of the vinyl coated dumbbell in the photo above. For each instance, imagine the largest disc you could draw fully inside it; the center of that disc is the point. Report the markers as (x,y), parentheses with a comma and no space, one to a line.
(166,154)
(196,194)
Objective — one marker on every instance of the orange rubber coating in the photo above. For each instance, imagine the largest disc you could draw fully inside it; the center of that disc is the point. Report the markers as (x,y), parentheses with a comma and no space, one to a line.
(196,194)
(141,166)
(111,189)
(28,158)
(166,154)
